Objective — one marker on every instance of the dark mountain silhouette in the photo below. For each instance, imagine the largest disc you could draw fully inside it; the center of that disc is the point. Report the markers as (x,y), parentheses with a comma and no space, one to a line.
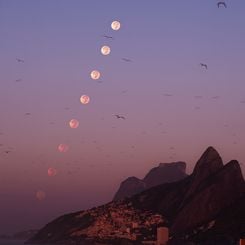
(164,173)
(206,207)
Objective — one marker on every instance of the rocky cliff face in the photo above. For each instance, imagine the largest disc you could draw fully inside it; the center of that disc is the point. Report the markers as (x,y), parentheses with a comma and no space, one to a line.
(211,190)
(130,187)
(206,207)
(164,173)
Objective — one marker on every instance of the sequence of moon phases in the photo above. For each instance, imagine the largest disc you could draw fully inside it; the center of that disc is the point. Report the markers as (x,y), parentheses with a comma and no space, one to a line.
(63,148)
(52,172)
(95,74)
(40,195)
(73,123)
(84,99)
(115,25)
(105,50)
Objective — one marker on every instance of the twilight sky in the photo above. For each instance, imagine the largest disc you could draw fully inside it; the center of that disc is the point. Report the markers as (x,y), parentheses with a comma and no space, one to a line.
(60,41)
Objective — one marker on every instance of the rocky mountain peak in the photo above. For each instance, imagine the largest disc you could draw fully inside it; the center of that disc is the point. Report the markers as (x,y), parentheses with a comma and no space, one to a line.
(209,163)
(164,173)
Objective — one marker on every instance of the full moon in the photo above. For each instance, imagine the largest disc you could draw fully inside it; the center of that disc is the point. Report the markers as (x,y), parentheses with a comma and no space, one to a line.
(74,123)
(52,172)
(115,25)
(84,99)
(63,148)
(105,50)
(40,195)
(95,74)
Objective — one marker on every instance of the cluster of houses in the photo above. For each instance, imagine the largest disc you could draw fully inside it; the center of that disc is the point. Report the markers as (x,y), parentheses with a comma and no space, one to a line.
(122,221)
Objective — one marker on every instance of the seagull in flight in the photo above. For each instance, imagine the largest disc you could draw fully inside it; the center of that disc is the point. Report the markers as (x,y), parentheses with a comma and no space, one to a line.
(215,97)
(198,96)
(221,3)
(20,60)
(127,60)
(167,95)
(204,65)
(108,37)
(119,117)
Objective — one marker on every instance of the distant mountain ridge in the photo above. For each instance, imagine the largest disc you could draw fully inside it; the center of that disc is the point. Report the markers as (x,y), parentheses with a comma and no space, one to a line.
(205,208)
(164,173)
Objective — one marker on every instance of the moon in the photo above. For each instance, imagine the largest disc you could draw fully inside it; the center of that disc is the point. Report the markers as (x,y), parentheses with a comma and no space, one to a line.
(40,195)
(52,172)
(105,50)
(95,74)
(63,148)
(73,123)
(115,25)
(84,99)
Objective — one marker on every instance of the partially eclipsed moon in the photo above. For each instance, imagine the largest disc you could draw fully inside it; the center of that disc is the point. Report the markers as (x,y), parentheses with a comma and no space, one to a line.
(84,99)
(115,25)
(74,123)
(95,74)
(52,172)
(40,195)
(105,50)
(63,148)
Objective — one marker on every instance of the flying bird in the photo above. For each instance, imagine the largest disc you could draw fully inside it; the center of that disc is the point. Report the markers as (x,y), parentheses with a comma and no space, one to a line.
(108,37)
(20,60)
(198,96)
(27,114)
(215,97)
(221,3)
(167,95)
(204,65)
(18,80)
(127,60)
(119,117)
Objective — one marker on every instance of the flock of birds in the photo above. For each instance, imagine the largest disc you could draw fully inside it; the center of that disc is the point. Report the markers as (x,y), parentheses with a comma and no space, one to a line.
(118,116)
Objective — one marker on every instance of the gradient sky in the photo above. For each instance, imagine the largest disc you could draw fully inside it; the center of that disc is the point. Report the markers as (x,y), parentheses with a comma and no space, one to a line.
(60,43)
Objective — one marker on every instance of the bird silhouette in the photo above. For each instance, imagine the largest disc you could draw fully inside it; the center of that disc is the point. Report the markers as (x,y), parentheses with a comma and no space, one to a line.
(215,97)
(20,60)
(27,114)
(18,80)
(204,65)
(167,95)
(119,117)
(108,37)
(127,60)
(221,3)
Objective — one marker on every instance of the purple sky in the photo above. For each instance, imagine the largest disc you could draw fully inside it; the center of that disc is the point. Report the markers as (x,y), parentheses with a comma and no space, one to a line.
(60,43)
